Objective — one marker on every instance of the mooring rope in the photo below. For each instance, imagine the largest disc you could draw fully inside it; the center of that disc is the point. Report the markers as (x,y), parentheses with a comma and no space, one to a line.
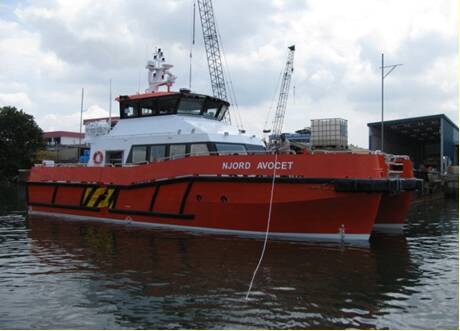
(266,231)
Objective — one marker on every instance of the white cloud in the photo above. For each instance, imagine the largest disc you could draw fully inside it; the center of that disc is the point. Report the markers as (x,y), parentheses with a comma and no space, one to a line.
(443,74)
(17,99)
(70,122)
(53,48)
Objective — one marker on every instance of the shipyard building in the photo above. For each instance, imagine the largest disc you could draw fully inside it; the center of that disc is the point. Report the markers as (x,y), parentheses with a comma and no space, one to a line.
(430,141)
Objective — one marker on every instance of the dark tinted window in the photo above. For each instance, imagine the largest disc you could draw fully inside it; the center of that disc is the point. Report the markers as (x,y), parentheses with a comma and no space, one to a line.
(148,107)
(255,148)
(114,157)
(191,106)
(167,106)
(211,109)
(173,104)
(129,110)
(223,148)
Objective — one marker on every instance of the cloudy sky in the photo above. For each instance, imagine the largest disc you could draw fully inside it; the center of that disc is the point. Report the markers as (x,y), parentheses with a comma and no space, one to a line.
(50,49)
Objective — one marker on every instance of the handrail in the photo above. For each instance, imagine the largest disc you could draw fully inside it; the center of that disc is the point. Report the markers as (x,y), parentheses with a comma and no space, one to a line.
(389,158)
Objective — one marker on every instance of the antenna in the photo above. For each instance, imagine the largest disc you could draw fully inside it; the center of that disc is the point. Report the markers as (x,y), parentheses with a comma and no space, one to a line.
(191,48)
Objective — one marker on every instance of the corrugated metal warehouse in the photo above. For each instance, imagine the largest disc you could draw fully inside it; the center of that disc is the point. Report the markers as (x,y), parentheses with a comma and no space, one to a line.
(428,140)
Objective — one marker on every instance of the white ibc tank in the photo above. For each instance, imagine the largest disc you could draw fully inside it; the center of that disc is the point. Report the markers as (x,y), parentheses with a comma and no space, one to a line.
(329,132)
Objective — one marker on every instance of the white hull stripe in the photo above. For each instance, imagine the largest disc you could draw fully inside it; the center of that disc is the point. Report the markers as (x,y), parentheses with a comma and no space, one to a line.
(279,235)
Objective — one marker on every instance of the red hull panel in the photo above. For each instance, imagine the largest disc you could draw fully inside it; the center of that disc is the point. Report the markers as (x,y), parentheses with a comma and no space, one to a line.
(297,208)
(312,166)
(322,193)
(394,208)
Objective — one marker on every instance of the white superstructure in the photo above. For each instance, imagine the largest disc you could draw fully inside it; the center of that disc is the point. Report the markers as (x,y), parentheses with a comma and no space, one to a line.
(160,125)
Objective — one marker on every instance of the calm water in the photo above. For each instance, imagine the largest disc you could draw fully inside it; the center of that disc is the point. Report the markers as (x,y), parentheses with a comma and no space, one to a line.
(57,274)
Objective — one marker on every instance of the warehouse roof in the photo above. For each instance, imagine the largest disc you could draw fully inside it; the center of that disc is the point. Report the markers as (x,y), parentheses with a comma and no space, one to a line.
(424,128)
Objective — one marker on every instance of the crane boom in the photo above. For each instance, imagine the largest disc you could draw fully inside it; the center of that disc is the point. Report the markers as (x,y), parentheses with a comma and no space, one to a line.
(278,120)
(211,43)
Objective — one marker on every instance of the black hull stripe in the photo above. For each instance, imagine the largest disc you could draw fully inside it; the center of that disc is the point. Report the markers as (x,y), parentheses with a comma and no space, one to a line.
(341,184)
(185,196)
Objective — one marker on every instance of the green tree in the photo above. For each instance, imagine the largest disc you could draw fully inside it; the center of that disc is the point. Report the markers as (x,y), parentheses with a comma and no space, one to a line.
(20,138)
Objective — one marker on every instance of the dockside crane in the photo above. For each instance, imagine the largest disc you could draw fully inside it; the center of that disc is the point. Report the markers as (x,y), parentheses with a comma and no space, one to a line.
(213,53)
(215,57)
(280,112)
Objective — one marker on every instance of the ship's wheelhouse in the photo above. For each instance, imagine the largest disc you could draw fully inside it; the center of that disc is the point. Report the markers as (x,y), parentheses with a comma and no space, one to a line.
(172,103)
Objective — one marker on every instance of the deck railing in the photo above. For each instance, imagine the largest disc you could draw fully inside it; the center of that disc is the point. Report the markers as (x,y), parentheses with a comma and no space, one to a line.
(390,159)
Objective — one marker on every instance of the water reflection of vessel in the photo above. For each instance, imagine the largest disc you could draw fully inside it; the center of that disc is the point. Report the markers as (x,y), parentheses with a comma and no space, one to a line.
(178,165)
(326,285)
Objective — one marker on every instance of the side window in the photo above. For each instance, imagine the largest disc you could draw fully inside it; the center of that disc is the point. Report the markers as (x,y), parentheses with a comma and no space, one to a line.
(139,154)
(157,152)
(114,157)
(199,149)
(255,148)
(176,151)
(224,149)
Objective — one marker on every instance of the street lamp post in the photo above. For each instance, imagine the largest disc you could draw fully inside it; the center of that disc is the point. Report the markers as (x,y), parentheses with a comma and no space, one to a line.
(383,67)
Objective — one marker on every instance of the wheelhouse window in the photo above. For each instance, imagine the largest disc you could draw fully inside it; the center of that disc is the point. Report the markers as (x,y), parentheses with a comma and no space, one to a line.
(177,151)
(146,111)
(190,106)
(224,149)
(157,153)
(222,112)
(199,149)
(177,103)
(139,154)
(148,107)
(167,106)
(211,109)
(129,111)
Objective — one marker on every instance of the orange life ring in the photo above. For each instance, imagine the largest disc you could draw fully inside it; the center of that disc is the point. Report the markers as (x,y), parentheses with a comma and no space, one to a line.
(98,157)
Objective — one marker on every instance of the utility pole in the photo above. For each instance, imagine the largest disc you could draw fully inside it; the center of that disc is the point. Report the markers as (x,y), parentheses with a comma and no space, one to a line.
(383,67)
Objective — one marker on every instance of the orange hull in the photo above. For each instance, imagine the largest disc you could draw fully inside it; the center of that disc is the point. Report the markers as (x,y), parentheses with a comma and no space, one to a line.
(395,207)
(325,196)
(393,211)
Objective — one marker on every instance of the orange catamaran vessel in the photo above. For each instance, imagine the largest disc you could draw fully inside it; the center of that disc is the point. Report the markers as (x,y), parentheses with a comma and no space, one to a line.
(171,161)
